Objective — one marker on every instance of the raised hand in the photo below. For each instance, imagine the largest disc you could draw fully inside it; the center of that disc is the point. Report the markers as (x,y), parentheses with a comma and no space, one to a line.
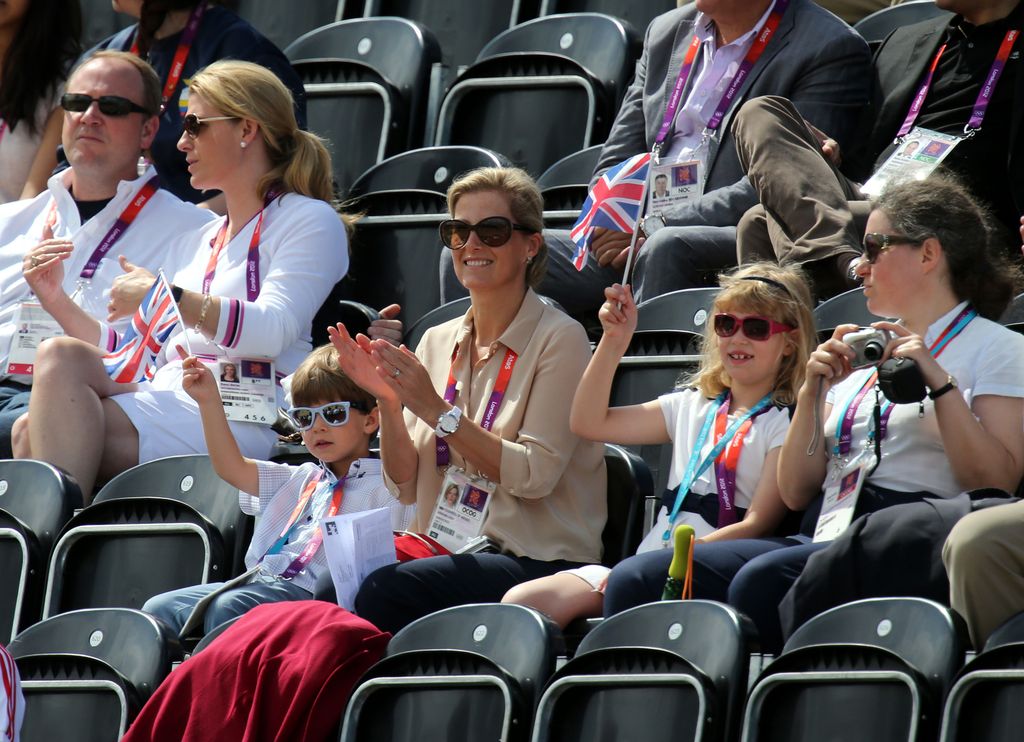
(355,360)
(388,327)
(43,267)
(618,315)
(197,380)
(128,290)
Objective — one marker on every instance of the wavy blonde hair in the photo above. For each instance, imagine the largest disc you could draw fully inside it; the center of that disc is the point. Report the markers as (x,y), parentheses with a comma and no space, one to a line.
(742,292)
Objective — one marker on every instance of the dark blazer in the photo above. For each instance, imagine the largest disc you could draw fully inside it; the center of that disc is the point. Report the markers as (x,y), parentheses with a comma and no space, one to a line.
(899,68)
(814,59)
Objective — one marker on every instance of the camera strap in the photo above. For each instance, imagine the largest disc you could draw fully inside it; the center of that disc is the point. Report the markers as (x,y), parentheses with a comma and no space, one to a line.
(844,428)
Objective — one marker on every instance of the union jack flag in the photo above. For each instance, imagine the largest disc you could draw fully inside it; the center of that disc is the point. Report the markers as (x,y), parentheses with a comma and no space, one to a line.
(614,203)
(134,359)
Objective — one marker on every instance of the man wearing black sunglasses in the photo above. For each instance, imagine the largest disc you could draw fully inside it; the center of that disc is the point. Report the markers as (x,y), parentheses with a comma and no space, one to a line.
(958,74)
(95,221)
(809,55)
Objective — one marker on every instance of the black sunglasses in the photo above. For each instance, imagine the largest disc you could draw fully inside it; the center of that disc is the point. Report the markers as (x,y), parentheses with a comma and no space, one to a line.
(494,231)
(192,124)
(110,105)
(875,244)
(755,328)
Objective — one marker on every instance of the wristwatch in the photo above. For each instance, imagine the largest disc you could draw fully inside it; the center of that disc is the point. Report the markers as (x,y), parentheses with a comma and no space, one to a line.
(652,223)
(448,422)
(948,386)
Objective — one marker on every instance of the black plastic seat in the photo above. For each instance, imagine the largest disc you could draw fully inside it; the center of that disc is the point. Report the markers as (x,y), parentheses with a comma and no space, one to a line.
(564,187)
(463,674)
(86,674)
(100,21)
(848,308)
(355,315)
(367,83)
(987,700)
(36,500)
(162,525)
(686,310)
(629,486)
(638,13)
(542,90)
(1014,314)
(425,169)
(875,27)
(282,23)
(440,315)
(874,670)
(664,671)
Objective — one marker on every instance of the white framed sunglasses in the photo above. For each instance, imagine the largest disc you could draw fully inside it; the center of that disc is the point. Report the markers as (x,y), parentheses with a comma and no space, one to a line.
(334,414)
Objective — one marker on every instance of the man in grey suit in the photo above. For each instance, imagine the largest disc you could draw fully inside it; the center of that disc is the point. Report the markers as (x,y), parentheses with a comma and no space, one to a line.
(811,57)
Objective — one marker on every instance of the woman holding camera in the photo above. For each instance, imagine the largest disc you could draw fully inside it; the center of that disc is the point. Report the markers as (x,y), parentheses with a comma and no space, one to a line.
(849,450)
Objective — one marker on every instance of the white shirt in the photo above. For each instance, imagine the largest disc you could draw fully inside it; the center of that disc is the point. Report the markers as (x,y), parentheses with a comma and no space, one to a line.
(712,73)
(281,487)
(12,703)
(985,358)
(303,253)
(147,243)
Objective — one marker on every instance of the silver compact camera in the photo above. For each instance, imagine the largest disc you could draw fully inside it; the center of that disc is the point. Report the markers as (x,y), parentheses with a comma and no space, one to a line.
(868,346)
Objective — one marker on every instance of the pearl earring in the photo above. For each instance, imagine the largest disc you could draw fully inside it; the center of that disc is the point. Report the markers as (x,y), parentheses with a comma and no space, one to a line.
(244,144)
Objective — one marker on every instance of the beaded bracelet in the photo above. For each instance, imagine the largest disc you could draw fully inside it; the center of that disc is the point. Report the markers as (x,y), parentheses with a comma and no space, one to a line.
(202,313)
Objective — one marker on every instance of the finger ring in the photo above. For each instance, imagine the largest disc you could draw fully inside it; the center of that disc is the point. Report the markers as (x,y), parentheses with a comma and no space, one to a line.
(35,262)
(398,372)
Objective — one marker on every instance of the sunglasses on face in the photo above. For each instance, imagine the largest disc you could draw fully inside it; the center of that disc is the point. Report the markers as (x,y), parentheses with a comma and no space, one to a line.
(494,231)
(875,244)
(755,328)
(110,105)
(192,124)
(334,414)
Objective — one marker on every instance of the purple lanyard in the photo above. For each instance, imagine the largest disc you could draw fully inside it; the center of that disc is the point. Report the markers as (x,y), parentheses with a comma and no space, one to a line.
(727,464)
(753,54)
(844,433)
(120,226)
(493,404)
(984,95)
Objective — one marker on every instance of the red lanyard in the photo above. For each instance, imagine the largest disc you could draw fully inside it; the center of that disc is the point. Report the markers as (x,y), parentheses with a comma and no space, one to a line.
(180,54)
(252,268)
(493,404)
(728,461)
(116,231)
(314,543)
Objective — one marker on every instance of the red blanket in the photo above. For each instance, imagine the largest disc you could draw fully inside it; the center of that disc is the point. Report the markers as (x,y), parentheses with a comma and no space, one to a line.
(283,672)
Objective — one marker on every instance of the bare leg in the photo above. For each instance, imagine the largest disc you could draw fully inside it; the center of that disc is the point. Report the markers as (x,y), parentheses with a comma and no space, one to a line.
(564,597)
(70,425)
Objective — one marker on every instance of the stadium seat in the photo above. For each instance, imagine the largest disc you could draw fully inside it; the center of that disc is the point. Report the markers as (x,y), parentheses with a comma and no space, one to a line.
(367,82)
(36,500)
(434,317)
(1013,317)
(564,187)
(86,674)
(875,27)
(638,13)
(542,90)
(425,169)
(396,248)
(987,700)
(874,670)
(673,670)
(463,26)
(848,308)
(162,525)
(463,674)
(629,486)
(686,310)
(282,23)
(211,635)
(355,315)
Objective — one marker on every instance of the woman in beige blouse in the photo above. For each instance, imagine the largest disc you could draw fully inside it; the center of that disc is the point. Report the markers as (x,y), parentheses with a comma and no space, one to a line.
(547,509)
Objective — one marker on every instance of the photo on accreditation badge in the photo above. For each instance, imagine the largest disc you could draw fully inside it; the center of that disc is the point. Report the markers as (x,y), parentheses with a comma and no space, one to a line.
(932,152)
(849,484)
(451,496)
(660,186)
(474,498)
(255,370)
(684,175)
(228,372)
(910,148)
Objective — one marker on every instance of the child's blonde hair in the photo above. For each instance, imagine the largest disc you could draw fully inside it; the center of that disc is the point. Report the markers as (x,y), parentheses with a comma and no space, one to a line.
(758,289)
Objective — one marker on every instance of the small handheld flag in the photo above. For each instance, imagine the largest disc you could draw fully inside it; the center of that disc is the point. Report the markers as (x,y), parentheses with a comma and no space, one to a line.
(134,359)
(613,203)
(679,584)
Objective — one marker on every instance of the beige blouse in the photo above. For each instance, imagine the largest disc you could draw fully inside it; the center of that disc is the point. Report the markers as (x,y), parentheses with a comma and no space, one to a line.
(551,502)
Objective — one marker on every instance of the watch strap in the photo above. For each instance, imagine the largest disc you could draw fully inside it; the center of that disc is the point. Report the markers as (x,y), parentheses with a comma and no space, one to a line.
(948,386)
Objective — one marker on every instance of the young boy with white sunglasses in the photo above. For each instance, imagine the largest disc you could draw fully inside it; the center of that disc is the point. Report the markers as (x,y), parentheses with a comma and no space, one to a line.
(336,420)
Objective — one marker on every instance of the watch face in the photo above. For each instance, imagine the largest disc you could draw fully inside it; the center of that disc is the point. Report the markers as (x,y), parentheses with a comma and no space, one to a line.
(448,423)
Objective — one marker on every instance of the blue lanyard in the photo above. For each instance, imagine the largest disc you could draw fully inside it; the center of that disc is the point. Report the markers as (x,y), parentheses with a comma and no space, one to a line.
(315,501)
(695,467)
